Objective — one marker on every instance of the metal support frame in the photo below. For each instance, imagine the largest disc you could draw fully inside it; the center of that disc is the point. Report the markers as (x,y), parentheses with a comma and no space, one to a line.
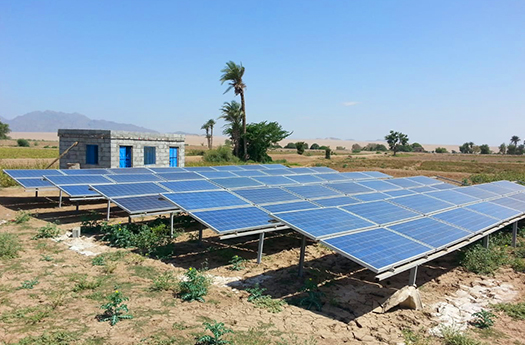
(129,219)
(77,205)
(200,236)
(514,233)
(301,256)
(109,210)
(261,246)
(36,193)
(254,232)
(413,276)
(171,224)
(486,241)
(60,199)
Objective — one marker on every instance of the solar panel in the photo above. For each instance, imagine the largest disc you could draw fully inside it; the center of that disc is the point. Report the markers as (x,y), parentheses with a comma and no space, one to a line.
(305,178)
(322,222)
(179,176)
(336,201)
(493,210)
(494,188)
(431,232)
(217,174)
(128,189)
(520,196)
(205,200)
(275,180)
(273,166)
(510,203)
(253,167)
(379,185)
(280,172)
(399,192)
(234,219)
(377,249)
(236,182)
(312,191)
(125,178)
(444,186)
(250,173)
(467,219)
(144,204)
(77,179)
(164,170)
(381,212)
(422,203)
(228,168)
(71,172)
(130,171)
(78,191)
(189,185)
(376,174)
(510,185)
(371,196)
(27,173)
(423,189)
(356,175)
(453,197)
(34,183)
(476,192)
(303,171)
(323,170)
(427,181)
(290,206)
(333,177)
(199,169)
(349,187)
(404,182)
(266,195)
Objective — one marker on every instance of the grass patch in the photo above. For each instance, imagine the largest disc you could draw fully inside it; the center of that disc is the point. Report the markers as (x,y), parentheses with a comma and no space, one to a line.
(9,246)
(49,230)
(86,284)
(165,282)
(481,260)
(22,217)
(415,337)
(514,310)
(453,336)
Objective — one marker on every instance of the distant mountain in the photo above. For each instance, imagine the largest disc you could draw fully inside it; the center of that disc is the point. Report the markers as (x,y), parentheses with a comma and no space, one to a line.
(51,121)
(186,133)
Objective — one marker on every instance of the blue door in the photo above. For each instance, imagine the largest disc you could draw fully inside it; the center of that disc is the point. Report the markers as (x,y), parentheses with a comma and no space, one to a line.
(174,154)
(125,156)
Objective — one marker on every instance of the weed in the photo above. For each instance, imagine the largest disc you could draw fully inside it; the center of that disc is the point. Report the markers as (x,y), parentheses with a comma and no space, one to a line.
(98,261)
(481,260)
(86,284)
(195,287)
(9,246)
(115,308)
(264,301)
(47,231)
(218,330)
(53,338)
(58,298)
(514,310)
(110,267)
(483,319)
(294,340)
(47,258)
(452,336)
(518,265)
(164,282)
(314,295)
(22,217)
(415,338)
(28,284)
(237,263)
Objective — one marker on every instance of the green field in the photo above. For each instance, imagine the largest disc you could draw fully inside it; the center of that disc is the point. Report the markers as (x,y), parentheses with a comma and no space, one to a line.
(27,152)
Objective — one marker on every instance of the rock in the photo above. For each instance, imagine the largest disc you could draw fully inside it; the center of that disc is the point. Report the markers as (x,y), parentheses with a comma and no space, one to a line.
(407,297)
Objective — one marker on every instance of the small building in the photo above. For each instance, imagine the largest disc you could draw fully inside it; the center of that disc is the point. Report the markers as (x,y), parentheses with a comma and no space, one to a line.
(119,149)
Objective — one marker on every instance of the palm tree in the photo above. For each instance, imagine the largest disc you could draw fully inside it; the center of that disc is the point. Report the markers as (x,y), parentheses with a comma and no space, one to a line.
(515,140)
(233,74)
(208,127)
(232,114)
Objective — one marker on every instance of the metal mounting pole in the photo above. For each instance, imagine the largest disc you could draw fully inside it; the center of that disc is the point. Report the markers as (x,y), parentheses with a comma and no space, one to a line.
(36,193)
(60,199)
(413,276)
(301,256)
(77,206)
(261,245)
(514,233)
(171,224)
(109,210)
(129,219)
(486,241)
(200,236)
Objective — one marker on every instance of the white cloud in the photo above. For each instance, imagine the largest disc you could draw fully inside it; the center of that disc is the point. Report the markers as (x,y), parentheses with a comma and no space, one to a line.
(349,104)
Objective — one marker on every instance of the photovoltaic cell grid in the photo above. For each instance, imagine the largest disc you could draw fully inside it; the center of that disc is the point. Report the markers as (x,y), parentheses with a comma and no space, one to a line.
(77,179)
(510,203)
(236,182)
(423,189)
(290,206)
(129,171)
(422,203)
(333,177)
(189,186)
(216,174)
(376,174)
(233,219)
(356,176)
(199,169)
(493,210)
(379,185)
(205,200)
(30,173)
(349,188)
(399,192)
(424,180)
(163,170)
(71,172)
(144,204)
(336,201)
(444,186)
(371,196)
(494,188)
(381,212)
(79,191)
(228,168)
(275,180)
(30,183)
(128,189)
(250,173)
(280,172)
(179,176)
(510,185)
(125,178)
(453,197)
(467,219)
(266,195)
(476,192)
(404,183)
(303,171)
(305,178)
(312,191)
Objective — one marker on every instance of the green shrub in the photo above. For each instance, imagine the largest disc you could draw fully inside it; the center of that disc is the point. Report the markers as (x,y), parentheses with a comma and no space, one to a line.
(483,319)
(22,143)
(313,299)
(9,246)
(218,330)
(53,338)
(85,284)
(195,286)
(144,237)
(22,217)
(29,284)
(514,310)
(164,282)
(264,301)
(115,308)
(481,260)
(453,336)
(222,154)
(415,338)
(98,260)
(237,263)
(49,230)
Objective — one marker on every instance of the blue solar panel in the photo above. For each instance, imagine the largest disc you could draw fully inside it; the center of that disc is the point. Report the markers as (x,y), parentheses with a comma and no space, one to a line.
(493,210)
(250,173)
(125,178)
(379,185)
(381,212)
(323,170)
(234,219)
(453,197)
(422,203)
(305,178)
(376,174)
(323,221)
(164,170)
(510,185)
(25,173)
(130,171)
(371,196)
(431,232)
(189,185)
(355,175)
(77,179)
(423,189)
(275,180)
(228,168)
(179,176)
(34,183)
(217,174)
(312,191)
(476,192)
(333,177)
(427,181)
(303,171)
(519,196)
(71,172)
(399,192)
(205,200)
(266,195)
(128,189)
(199,169)
(290,206)
(279,172)
(467,219)
(349,187)
(444,186)
(510,203)
(494,188)
(377,249)
(404,182)
(236,182)
(273,166)
(79,191)
(253,167)
(144,204)
(336,201)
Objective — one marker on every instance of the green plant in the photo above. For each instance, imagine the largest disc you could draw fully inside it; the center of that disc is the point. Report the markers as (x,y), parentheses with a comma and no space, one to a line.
(514,310)
(483,319)
(9,246)
(47,258)
(313,299)
(218,330)
(415,338)
(481,260)
(22,143)
(237,263)
(195,286)
(52,338)
(29,284)
(98,260)
(166,281)
(255,292)
(264,301)
(22,217)
(49,230)
(85,284)
(452,336)
(115,308)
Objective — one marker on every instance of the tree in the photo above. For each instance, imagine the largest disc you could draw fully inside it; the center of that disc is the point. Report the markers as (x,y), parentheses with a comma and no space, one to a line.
(4,130)
(22,143)
(232,114)
(314,146)
(484,149)
(290,146)
(476,149)
(441,150)
(515,140)
(511,149)
(233,74)
(260,137)
(417,147)
(301,146)
(503,149)
(356,148)
(208,127)
(396,139)
(467,148)
(520,150)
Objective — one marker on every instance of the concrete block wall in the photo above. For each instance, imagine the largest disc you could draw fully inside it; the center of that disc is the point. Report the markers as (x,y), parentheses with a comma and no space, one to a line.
(77,154)
(162,152)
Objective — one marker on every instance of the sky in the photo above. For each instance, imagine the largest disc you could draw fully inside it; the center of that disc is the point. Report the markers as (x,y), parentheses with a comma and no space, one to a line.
(443,72)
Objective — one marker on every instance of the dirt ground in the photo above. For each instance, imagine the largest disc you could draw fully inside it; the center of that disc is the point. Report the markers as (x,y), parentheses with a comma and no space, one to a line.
(350,291)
